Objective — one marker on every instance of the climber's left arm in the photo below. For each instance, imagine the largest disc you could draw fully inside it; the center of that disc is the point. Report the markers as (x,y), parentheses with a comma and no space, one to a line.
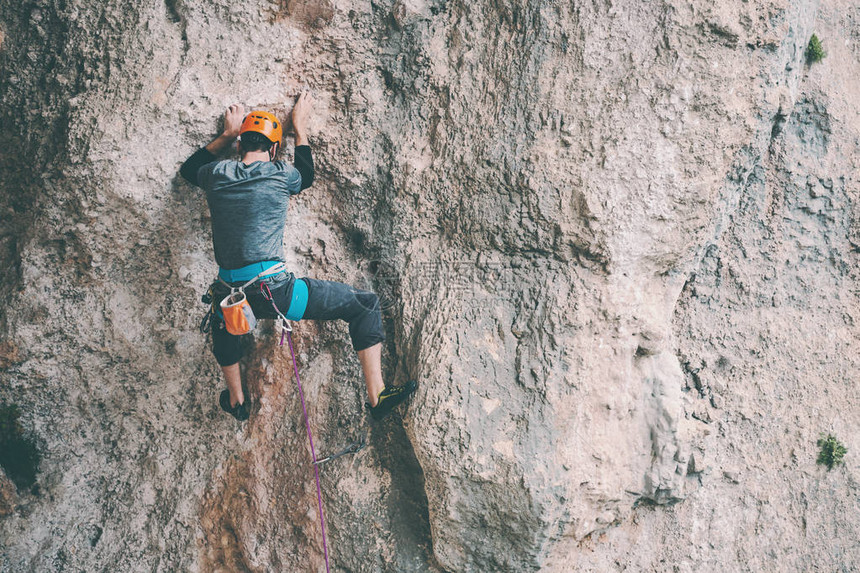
(232,123)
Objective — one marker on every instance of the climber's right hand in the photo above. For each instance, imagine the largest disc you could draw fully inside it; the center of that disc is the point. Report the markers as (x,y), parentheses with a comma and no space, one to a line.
(301,113)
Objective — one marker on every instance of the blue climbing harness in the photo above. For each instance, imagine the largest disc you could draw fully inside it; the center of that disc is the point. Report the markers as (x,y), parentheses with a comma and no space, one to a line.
(251,274)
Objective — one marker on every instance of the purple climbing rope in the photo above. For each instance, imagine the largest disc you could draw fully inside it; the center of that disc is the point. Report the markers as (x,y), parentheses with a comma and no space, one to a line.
(310,439)
(286,330)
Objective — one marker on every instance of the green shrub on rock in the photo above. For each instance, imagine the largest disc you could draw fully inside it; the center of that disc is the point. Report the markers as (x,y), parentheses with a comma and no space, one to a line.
(815,51)
(832,452)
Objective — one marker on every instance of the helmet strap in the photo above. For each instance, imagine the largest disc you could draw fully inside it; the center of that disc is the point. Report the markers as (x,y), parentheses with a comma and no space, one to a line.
(273,151)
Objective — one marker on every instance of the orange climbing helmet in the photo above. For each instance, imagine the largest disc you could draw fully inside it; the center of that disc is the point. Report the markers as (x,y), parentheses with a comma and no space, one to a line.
(264,123)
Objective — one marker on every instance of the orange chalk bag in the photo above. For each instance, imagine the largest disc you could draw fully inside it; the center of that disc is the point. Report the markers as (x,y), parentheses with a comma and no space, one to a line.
(238,316)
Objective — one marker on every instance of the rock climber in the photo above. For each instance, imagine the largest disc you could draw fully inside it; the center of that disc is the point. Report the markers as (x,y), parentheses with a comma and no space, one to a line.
(248,202)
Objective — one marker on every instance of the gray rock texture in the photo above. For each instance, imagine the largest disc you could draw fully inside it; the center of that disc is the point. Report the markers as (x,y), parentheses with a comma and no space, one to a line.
(616,243)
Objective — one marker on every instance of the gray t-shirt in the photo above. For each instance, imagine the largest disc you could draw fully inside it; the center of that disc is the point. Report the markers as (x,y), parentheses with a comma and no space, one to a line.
(248,204)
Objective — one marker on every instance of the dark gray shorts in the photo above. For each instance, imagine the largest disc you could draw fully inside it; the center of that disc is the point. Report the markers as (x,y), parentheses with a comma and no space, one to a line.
(327,300)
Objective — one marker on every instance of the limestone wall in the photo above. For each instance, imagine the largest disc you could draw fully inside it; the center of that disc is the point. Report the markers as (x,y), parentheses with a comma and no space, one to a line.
(616,244)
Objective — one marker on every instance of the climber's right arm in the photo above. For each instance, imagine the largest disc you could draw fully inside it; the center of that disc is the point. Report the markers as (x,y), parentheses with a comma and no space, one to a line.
(304,162)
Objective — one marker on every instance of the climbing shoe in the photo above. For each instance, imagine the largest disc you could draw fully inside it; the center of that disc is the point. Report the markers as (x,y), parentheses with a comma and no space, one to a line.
(240,411)
(390,398)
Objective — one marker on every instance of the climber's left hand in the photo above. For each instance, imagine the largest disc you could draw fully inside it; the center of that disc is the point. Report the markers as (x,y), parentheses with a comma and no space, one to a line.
(233,118)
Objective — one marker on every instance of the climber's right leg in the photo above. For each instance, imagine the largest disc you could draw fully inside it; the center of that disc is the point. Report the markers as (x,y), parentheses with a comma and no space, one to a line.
(371,366)
(329,300)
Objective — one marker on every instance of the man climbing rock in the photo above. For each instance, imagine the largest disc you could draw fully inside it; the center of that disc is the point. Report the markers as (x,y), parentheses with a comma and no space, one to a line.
(248,202)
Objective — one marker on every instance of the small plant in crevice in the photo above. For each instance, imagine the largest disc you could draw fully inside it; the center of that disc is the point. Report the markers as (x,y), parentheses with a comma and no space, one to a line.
(18,454)
(832,452)
(815,51)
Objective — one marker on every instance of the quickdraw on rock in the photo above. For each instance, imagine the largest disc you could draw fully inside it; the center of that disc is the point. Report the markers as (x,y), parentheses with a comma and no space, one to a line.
(353,448)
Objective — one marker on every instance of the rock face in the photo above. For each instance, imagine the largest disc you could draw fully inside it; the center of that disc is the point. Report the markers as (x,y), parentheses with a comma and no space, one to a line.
(616,243)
